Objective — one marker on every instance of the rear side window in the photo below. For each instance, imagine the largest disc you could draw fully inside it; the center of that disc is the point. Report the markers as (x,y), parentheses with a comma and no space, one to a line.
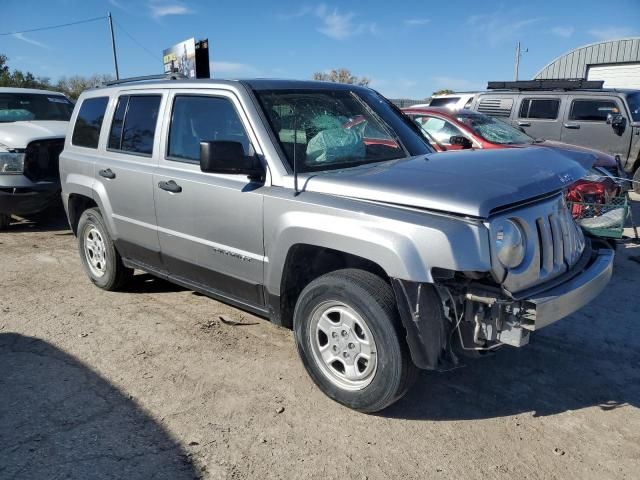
(443,102)
(542,108)
(134,124)
(496,106)
(198,118)
(592,110)
(86,131)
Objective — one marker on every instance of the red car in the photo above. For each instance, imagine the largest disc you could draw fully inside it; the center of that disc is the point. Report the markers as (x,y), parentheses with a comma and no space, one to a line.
(465,129)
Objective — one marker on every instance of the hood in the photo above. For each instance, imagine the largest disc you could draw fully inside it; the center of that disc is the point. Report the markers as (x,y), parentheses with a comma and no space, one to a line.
(19,134)
(602,159)
(471,183)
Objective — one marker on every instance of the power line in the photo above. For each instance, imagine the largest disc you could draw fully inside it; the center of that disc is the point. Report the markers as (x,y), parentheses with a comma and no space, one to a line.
(155,56)
(54,26)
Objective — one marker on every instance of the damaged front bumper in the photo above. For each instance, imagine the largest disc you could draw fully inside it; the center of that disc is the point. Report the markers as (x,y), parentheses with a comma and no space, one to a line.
(488,317)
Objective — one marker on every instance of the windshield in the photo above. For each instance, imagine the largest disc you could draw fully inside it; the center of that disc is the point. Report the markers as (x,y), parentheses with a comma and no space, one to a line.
(332,129)
(493,130)
(633,100)
(17,107)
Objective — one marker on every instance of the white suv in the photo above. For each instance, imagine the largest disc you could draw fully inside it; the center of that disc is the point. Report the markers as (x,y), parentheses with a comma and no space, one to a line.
(33,124)
(454,101)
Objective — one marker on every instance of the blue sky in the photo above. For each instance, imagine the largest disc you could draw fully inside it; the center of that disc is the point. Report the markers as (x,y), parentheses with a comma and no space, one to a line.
(408,48)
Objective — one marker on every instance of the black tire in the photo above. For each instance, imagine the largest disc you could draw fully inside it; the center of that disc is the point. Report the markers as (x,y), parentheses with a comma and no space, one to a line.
(372,298)
(5,220)
(636,181)
(115,274)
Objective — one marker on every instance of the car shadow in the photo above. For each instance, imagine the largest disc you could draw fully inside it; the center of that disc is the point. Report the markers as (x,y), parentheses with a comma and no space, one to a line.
(147,283)
(546,378)
(53,219)
(60,419)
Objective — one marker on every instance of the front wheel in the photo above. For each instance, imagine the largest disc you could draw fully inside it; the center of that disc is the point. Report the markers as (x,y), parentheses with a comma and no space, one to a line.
(636,181)
(351,341)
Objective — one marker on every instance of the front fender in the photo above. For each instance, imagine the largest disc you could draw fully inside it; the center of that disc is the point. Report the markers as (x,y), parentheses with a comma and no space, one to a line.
(406,244)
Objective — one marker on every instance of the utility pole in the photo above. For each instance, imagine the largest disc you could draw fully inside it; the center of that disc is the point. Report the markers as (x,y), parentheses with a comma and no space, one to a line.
(113,46)
(518,55)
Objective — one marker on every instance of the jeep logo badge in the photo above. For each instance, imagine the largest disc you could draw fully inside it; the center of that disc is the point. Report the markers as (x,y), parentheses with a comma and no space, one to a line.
(565,178)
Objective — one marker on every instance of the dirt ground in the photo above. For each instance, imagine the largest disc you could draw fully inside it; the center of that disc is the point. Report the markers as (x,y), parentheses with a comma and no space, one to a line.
(151,383)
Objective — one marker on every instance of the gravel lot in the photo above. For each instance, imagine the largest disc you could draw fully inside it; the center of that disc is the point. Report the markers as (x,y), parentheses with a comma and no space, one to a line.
(152,383)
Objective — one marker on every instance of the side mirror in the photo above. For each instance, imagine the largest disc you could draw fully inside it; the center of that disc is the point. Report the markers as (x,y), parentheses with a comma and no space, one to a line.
(460,140)
(617,121)
(223,156)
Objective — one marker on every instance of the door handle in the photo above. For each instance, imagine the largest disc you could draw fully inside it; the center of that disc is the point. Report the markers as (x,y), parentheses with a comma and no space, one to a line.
(107,174)
(524,124)
(573,126)
(170,186)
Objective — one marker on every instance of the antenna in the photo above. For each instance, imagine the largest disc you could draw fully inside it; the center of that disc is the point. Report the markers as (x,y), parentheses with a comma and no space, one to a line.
(295,163)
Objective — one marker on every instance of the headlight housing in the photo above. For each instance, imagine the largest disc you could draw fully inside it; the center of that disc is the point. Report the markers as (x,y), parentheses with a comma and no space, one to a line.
(510,244)
(11,163)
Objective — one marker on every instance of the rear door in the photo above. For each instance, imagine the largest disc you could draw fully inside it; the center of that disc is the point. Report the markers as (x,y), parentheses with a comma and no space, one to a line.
(540,116)
(124,171)
(210,225)
(586,124)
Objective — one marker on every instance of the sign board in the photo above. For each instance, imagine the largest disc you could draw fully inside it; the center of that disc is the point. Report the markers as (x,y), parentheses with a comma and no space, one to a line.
(189,58)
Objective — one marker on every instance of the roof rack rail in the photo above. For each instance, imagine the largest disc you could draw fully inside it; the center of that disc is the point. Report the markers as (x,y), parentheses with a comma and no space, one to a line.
(547,84)
(165,76)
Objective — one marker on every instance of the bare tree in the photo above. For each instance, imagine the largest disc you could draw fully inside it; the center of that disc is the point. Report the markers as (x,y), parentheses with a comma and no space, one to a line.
(443,91)
(341,75)
(73,86)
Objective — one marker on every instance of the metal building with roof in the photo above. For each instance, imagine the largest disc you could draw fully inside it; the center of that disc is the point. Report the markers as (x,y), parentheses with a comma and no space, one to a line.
(617,62)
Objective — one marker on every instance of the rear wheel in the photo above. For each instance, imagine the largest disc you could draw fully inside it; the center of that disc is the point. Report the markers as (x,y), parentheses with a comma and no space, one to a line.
(4,220)
(99,256)
(636,181)
(351,340)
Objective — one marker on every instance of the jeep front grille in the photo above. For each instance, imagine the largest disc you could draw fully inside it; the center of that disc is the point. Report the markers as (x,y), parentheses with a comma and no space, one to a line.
(41,160)
(554,244)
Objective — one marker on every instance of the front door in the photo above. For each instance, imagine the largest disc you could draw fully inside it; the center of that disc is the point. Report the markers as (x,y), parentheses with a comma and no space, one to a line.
(586,125)
(209,225)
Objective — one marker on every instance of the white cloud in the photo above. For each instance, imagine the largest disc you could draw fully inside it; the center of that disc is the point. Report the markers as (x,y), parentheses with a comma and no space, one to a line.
(564,32)
(611,33)
(159,10)
(334,24)
(232,69)
(21,36)
(416,22)
(497,27)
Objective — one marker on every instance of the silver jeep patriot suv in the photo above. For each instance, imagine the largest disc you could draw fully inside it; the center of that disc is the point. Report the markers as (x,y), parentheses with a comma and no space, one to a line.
(320,207)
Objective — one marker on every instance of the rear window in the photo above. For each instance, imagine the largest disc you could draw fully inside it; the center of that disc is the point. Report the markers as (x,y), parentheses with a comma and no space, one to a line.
(86,131)
(592,110)
(541,108)
(134,124)
(443,102)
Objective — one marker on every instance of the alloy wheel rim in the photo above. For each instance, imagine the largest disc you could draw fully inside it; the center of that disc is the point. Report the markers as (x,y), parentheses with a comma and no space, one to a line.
(343,346)
(95,251)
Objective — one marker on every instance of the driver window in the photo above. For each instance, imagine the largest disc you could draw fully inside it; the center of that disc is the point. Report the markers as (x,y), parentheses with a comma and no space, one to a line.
(441,130)
(200,118)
